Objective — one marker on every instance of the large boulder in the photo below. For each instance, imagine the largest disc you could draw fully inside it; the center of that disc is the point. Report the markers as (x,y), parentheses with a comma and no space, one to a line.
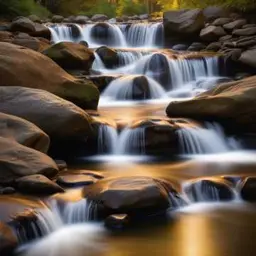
(8,240)
(27,68)
(37,184)
(184,22)
(133,195)
(17,161)
(231,103)
(212,33)
(24,132)
(71,55)
(57,117)
(249,57)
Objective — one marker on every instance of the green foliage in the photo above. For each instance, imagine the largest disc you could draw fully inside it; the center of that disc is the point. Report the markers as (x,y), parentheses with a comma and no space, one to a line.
(22,8)
(130,7)
(101,7)
(238,4)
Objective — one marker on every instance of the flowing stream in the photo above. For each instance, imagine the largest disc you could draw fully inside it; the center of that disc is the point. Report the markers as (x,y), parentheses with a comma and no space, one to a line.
(139,140)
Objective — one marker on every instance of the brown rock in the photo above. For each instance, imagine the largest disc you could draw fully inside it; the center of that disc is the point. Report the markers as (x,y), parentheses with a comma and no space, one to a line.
(20,66)
(37,184)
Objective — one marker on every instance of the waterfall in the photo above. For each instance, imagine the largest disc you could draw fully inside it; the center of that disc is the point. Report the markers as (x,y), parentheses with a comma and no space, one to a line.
(126,58)
(209,140)
(103,33)
(186,70)
(107,139)
(144,34)
(47,220)
(133,87)
(98,63)
(64,33)
(131,141)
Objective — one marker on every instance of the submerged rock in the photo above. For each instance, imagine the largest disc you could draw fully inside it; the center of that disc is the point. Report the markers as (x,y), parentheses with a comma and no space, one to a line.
(17,161)
(71,55)
(24,132)
(37,184)
(21,66)
(8,241)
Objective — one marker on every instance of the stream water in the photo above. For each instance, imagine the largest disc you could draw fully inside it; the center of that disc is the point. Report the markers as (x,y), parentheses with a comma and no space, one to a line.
(148,79)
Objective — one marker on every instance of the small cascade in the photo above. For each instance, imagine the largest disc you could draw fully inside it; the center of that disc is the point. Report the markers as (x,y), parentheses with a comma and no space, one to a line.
(208,191)
(208,140)
(107,139)
(127,58)
(131,141)
(79,212)
(144,35)
(104,34)
(47,220)
(98,63)
(133,87)
(64,33)
(187,70)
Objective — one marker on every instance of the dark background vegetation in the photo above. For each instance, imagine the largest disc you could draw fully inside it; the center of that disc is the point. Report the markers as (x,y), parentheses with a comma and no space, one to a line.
(112,8)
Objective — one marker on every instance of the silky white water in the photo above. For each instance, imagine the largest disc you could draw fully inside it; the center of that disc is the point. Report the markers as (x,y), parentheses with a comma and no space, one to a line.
(127,87)
(208,140)
(115,35)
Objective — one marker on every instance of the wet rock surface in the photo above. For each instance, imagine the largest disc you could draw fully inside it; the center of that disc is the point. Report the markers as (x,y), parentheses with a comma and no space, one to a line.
(37,184)
(134,195)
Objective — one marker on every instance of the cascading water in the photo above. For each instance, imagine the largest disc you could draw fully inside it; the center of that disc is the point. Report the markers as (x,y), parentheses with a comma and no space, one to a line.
(61,33)
(131,35)
(144,34)
(56,216)
(129,141)
(126,58)
(133,87)
(107,139)
(209,140)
